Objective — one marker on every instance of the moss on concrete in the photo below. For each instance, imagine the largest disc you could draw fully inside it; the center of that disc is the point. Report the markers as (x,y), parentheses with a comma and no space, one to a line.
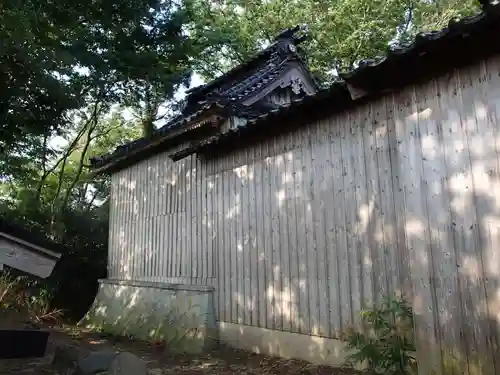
(182,316)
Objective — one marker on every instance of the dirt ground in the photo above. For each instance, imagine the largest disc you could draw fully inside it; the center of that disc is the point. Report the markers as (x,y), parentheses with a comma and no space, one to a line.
(224,360)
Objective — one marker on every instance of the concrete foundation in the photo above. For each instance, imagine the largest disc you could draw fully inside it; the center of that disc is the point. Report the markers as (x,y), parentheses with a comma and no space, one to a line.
(181,315)
(314,349)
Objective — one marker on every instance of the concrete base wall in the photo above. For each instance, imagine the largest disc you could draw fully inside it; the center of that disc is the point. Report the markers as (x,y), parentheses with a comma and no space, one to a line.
(182,315)
(318,350)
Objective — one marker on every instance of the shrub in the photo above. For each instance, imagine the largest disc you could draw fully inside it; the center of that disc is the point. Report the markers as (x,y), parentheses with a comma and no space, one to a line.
(386,345)
(8,291)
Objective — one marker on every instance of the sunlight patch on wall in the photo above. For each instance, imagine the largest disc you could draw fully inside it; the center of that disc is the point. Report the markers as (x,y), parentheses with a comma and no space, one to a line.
(365,213)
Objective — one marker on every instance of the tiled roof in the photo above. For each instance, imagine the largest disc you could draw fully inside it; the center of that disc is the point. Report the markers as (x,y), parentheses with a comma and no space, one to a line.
(460,42)
(226,93)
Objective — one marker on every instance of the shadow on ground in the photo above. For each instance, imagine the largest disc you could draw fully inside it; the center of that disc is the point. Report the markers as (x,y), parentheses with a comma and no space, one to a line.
(223,360)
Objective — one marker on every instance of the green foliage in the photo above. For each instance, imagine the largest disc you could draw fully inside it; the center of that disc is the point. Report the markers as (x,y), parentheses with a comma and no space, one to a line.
(387,345)
(341,32)
(57,56)
(8,291)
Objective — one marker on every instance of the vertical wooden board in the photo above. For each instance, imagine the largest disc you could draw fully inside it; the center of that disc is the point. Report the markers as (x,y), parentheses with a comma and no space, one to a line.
(146,187)
(458,166)
(138,217)
(194,218)
(351,205)
(145,255)
(119,216)
(378,251)
(211,220)
(320,155)
(168,188)
(368,211)
(401,245)
(285,179)
(148,254)
(311,247)
(141,189)
(149,250)
(254,249)
(275,176)
(175,243)
(159,247)
(127,238)
(201,214)
(417,233)
(482,156)
(435,128)
(150,199)
(188,234)
(332,189)
(283,260)
(233,230)
(151,246)
(198,217)
(205,221)
(238,238)
(260,249)
(293,277)
(181,188)
(133,234)
(137,235)
(358,184)
(153,182)
(113,231)
(341,199)
(492,273)
(223,254)
(130,236)
(301,207)
(246,236)
(130,252)
(137,254)
(227,244)
(381,134)
(182,222)
(161,184)
(168,245)
(267,200)
(189,215)
(219,270)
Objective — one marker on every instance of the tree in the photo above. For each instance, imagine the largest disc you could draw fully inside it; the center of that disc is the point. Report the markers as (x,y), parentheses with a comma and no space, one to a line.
(341,32)
(55,54)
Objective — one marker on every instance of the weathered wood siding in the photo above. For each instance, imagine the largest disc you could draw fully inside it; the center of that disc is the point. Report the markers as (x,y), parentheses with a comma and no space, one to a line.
(300,232)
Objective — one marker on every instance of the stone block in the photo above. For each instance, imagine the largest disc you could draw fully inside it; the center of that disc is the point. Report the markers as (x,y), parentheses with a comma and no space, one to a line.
(73,360)
(127,364)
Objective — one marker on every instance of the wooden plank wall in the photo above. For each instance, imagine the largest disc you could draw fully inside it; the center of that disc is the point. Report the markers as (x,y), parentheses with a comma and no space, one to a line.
(300,232)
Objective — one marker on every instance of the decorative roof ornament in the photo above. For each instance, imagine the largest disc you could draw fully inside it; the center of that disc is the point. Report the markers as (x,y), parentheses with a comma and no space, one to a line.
(291,36)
